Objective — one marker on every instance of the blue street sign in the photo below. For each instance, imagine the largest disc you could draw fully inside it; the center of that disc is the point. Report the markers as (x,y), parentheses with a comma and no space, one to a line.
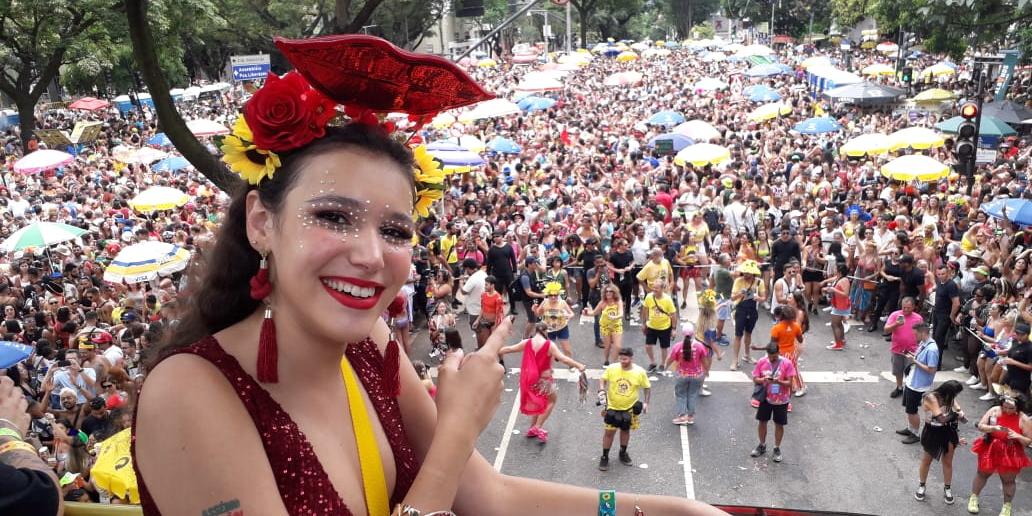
(249,68)
(250,72)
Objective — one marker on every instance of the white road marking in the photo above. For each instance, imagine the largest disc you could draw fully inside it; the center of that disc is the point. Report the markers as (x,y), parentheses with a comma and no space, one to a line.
(686,454)
(507,435)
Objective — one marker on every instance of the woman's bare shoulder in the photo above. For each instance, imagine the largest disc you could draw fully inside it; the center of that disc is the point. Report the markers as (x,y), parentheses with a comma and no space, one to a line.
(194,436)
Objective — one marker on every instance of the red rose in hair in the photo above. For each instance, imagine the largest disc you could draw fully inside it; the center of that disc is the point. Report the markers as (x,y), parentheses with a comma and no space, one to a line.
(287,113)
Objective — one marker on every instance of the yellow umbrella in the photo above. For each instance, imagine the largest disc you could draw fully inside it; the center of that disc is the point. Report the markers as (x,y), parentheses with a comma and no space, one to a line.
(934,95)
(443,121)
(937,70)
(701,154)
(769,111)
(878,69)
(866,144)
(916,138)
(487,63)
(815,62)
(626,57)
(113,471)
(158,198)
(914,167)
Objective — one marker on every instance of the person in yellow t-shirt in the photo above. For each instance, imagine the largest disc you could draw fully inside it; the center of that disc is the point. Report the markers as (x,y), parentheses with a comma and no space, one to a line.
(620,384)
(747,291)
(657,311)
(656,270)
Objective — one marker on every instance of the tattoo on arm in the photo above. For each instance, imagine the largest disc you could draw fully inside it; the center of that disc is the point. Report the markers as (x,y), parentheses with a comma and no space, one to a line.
(230,508)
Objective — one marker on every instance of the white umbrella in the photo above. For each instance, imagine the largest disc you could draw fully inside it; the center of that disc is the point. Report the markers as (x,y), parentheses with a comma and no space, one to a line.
(145,262)
(145,155)
(698,130)
(44,159)
(204,127)
(539,83)
(491,109)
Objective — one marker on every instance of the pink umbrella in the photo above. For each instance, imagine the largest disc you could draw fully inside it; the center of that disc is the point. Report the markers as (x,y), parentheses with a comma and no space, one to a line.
(524,58)
(203,127)
(89,104)
(624,79)
(45,159)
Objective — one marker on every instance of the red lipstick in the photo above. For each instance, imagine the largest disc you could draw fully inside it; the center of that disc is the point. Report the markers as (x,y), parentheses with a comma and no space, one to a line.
(356,303)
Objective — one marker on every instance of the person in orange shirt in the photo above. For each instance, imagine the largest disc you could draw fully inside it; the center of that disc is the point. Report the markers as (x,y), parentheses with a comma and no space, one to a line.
(491,310)
(788,334)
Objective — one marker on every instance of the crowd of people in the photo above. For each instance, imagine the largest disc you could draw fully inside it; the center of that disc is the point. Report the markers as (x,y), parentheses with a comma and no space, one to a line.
(589,219)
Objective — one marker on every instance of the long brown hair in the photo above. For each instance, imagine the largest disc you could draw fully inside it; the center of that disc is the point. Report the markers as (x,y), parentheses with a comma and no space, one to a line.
(219,291)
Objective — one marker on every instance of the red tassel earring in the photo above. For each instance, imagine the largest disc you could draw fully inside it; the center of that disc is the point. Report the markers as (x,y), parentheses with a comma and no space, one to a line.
(392,355)
(261,287)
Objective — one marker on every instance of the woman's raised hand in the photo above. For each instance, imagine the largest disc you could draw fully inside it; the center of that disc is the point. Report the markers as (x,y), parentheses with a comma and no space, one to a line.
(470,385)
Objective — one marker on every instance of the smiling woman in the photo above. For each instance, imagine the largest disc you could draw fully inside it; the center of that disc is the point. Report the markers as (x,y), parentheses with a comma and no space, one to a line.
(243,415)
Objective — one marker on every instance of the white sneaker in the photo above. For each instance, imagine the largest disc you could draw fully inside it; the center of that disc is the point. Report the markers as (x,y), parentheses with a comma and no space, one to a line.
(705,392)
(978,387)
(971,381)
(987,397)
(960,369)
(800,393)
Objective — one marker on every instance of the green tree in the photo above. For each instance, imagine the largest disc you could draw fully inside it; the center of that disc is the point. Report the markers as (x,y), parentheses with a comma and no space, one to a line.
(37,37)
(584,8)
(685,14)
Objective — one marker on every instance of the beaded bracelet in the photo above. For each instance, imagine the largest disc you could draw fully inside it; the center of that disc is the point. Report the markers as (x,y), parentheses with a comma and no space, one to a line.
(17,445)
(8,432)
(407,510)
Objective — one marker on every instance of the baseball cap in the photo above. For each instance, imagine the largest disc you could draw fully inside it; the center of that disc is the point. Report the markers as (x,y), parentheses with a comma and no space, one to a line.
(531,260)
(1022,328)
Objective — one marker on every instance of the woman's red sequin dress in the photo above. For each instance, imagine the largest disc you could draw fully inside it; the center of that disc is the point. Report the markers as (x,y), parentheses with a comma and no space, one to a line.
(303,485)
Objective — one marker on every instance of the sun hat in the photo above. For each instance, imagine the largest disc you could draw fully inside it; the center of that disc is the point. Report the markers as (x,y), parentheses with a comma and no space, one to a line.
(749,267)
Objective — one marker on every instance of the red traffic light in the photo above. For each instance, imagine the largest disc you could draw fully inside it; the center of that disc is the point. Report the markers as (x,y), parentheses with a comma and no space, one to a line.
(969,110)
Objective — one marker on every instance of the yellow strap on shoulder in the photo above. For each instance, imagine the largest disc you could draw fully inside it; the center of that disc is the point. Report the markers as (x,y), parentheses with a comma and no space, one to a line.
(374,483)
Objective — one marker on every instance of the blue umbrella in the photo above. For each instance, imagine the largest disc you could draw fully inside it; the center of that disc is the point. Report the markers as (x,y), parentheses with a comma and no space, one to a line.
(611,52)
(458,158)
(680,141)
(765,96)
(666,118)
(672,45)
(817,125)
(765,70)
(444,145)
(160,140)
(503,146)
(1019,211)
(12,352)
(171,164)
(756,88)
(535,103)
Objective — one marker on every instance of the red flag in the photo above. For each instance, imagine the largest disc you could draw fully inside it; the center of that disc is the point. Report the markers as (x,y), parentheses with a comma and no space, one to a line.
(565,137)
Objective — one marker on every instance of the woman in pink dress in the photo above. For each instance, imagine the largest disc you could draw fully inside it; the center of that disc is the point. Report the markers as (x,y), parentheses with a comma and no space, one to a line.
(537,386)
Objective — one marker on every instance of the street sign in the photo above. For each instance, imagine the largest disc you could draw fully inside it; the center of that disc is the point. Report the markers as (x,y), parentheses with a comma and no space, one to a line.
(987,145)
(249,68)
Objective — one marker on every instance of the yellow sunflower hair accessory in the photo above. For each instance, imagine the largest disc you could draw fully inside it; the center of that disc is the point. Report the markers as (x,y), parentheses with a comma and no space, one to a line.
(553,288)
(708,297)
(429,181)
(243,157)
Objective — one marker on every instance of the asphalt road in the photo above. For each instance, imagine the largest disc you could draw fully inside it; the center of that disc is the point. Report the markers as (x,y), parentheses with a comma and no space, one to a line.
(841,451)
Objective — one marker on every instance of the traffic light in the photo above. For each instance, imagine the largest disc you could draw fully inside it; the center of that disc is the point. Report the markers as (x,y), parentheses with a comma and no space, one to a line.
(966,133)
(907,75)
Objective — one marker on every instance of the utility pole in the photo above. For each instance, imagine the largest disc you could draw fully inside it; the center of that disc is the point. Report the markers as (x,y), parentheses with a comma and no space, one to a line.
(569,27)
